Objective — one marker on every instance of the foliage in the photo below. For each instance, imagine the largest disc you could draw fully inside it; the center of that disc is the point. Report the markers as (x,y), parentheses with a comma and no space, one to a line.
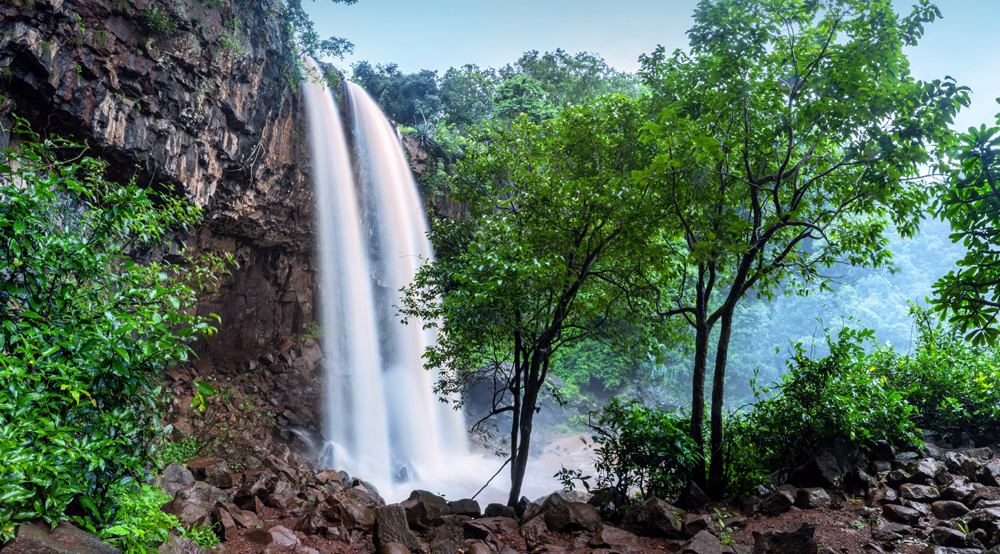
(156,21)
(594,367)
(467,94)
(84,325)
(837,396)
(642,449)
(409,99)
(139,526)
(303,41)
(523,94)
(558,222)
(970,201)
(182,450)
(951,382)
(791,136)
(571,78)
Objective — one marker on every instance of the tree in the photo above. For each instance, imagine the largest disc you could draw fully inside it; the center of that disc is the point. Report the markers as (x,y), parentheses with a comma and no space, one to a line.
(791,136)
(522,94)
(467,94)
(970,201)
(407,98)
(572,79)
(559,221)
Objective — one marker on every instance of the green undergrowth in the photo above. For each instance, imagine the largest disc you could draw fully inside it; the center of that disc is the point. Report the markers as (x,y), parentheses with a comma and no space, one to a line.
(88,322)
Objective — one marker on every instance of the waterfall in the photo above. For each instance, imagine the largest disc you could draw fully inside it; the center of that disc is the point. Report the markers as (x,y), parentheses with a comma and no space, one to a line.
(383,421)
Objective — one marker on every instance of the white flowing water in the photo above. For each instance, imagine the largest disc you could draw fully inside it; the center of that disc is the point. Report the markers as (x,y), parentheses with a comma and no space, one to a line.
(382,420)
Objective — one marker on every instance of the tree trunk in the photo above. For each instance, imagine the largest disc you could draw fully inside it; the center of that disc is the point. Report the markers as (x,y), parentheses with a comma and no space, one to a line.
(716,481)
(702,331)
(520,457)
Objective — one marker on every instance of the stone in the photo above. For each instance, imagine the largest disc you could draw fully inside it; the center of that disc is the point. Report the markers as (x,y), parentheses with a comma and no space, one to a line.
(857,482)
(39,538)
(987,519)
(611,539)
(292,506)
(175,477)
(391,527)
(423,508)
(945,536)
(444,547)
(921,493)
(692,497)
(214,471)
(959,489)
(922,508)
(878,497)
(190,512)
(282,536)
(393,548)
(950,550)
(465,507)
(535,533)
(949,509)
(655,518)
(960,464)
(990,474)
(202,492)
(256,484)
(926,468)
(696,523)
(180,545)
(349,510)
(900,514)
(982,494)
(478,547)
(822,470)
(500,510)
(483,528)
(795,539)
(313,522)
(896,477)
(226,530)
(812,498)
(704,543)
(562,516)
(777,503)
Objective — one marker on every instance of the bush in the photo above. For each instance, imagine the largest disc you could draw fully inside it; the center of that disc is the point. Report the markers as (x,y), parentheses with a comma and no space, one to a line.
(953,384)
(642,449)
(84,325)
(817,401)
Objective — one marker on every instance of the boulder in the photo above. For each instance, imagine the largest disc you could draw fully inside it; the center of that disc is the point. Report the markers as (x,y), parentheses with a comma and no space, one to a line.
(275,536)
(692,498)
(823,470)
(982,494)
(655,518)
(483,528)
(900,514)
(890,531)
(611,539)
(950,550)
(290,506)
(920,493)
(423,508)
(990,474)
(878,497)
(243,518)
(226,528)
(390,527)
(857,482)
(256,484)
(795,539)
(314,521)
(945,536)
(465,507)
(349,510)
(190,512)
(500,510)
(987,519)
(39,538)
(175,477)
(959,489)
(201,491)
(704,543)
(535,533)
(214,471)
(562,516)
(948,509)
(960,464)
(812,498)
(777,503)
(921,470)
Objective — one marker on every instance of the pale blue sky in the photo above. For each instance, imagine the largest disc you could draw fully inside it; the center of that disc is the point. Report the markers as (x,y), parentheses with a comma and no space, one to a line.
(438,34)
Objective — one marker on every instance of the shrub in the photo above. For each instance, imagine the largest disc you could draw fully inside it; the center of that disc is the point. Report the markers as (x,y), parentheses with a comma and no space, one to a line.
(639,448)
(156,21)
(84,325)
(839,395)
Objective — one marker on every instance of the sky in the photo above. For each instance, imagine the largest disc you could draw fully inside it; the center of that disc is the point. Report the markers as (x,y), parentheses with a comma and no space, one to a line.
(438,34)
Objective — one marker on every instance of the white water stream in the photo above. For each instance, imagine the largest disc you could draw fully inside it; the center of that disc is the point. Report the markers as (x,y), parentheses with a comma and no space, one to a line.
(383,422)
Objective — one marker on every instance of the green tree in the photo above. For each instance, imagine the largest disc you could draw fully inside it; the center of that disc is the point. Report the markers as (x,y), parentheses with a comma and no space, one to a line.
(559,222)
(523,94)
(792,135)
(302,39)
(970,201)
(83,327)
(407,98)
(572,79)
(467,94)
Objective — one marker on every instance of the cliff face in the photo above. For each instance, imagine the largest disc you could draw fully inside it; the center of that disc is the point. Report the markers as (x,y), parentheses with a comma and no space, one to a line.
(188,95)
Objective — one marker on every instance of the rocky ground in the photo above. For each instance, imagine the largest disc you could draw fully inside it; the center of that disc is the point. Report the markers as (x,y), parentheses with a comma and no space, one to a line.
(252,479)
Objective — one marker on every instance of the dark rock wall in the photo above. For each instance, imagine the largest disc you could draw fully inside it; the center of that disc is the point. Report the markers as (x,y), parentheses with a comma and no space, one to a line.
(201,110)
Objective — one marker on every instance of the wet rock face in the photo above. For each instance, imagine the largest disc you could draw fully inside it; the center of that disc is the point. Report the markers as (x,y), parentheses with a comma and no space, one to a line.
(201,110)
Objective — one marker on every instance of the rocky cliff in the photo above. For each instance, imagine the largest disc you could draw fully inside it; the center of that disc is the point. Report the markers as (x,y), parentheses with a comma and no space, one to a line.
(186,95)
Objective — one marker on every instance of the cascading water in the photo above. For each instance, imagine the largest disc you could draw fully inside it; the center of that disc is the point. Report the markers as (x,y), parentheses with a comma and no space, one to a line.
(383,421)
